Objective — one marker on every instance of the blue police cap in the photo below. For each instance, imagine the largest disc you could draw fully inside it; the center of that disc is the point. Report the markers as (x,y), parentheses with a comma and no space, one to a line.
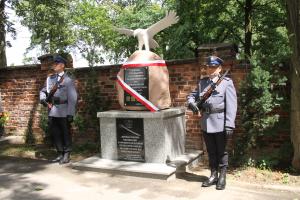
(60,59)
(214,61)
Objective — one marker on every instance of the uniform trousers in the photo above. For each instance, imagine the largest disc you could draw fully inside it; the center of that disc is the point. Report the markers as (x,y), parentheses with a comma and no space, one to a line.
(216,148)
(59,128)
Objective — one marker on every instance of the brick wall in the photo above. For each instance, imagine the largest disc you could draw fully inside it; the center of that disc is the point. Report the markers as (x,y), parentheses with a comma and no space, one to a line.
(20,95)
(19,87)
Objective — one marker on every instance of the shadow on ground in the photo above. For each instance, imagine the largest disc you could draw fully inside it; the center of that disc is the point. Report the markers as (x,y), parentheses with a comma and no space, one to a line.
(190,177)
(14,184)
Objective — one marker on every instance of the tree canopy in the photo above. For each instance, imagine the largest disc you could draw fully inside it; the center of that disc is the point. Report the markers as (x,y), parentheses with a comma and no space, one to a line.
(48,22)
(6,26)
(257,27)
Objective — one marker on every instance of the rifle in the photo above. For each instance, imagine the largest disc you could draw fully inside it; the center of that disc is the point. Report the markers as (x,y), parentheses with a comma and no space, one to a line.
(211,89)
(49,97)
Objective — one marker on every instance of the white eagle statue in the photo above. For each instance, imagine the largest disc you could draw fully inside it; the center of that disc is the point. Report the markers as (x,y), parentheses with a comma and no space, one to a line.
(145,36)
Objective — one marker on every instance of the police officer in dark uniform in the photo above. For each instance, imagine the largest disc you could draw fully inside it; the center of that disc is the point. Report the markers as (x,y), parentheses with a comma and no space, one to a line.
(61,108)
(217,119)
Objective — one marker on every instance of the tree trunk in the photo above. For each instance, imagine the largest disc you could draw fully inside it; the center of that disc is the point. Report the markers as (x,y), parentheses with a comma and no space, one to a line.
(2,35)
(248,28)
(293,8)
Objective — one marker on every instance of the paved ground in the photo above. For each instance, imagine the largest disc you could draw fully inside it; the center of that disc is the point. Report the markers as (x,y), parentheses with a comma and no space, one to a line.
(22,179)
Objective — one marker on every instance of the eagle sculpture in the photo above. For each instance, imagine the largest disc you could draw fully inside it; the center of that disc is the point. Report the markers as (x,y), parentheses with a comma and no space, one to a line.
(145,36)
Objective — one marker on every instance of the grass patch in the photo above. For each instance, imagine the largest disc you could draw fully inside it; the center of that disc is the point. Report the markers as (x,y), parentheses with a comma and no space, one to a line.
(45,152)
(256,175)
(265,176)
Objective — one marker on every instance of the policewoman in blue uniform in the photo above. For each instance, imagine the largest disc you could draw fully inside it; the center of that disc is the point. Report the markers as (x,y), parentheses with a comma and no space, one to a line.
(217,118)
(60,96)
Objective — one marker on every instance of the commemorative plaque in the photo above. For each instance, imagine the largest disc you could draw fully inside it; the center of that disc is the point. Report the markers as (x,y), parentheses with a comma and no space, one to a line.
(130,139)
(137,79)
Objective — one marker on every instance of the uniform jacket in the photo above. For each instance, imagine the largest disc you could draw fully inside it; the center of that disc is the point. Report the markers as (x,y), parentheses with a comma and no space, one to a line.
(66,92)
(224,97)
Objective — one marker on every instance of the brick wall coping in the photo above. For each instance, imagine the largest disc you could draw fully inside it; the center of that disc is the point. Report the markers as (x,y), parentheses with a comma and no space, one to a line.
(240,65)
(11,68)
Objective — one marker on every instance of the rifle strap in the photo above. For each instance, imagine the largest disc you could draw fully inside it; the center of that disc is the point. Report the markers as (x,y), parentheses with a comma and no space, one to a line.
(217,83)
(54,88)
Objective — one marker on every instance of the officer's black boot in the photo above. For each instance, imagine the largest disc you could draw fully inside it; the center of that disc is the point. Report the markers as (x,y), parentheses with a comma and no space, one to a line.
(58,158)
(212,179)
(65,159)
(222,179)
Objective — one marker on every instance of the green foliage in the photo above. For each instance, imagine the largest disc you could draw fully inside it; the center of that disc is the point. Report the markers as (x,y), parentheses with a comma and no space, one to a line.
(85,148)
(94,102)
(200,22)
(43,124)
(250,162)
(93,30)
(79,123)
(257,101)
(258,98)
(285,178)
(141,14)
(264,158)
(29,136)
(88,26)
(267,163)
(5,22)
(44,120)
(277,159)
(214,21)
(48,22)
(4,118)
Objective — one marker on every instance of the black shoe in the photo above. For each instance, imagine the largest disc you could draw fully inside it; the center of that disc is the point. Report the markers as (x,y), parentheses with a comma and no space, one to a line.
(58,158)
(65,159)
(222,179)
(212,179)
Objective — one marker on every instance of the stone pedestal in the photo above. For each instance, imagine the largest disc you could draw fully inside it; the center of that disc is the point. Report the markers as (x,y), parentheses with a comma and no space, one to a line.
(163,145)
(164,133)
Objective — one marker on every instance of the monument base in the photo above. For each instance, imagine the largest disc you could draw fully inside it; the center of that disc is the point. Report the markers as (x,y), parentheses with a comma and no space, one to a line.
(141,143)
(146,170)
(161,135)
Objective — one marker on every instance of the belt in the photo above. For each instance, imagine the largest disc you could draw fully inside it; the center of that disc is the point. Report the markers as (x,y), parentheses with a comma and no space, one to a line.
(60,102)
(209,110)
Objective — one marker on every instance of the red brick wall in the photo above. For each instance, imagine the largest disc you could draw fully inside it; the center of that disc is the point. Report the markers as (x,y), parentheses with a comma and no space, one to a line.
(20,87)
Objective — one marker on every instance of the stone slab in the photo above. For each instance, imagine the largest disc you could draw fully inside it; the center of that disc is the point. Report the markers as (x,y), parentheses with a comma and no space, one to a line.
(142,114)
(148,170)
(166,171)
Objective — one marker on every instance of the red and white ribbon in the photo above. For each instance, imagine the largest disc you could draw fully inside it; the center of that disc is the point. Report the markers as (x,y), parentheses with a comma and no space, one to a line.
(136,95)
(131,91)
(157,63)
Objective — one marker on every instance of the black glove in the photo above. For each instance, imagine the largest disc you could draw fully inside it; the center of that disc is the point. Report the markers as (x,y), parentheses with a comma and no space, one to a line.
(70,118)
(44,103)
(229,131)
(193,107)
